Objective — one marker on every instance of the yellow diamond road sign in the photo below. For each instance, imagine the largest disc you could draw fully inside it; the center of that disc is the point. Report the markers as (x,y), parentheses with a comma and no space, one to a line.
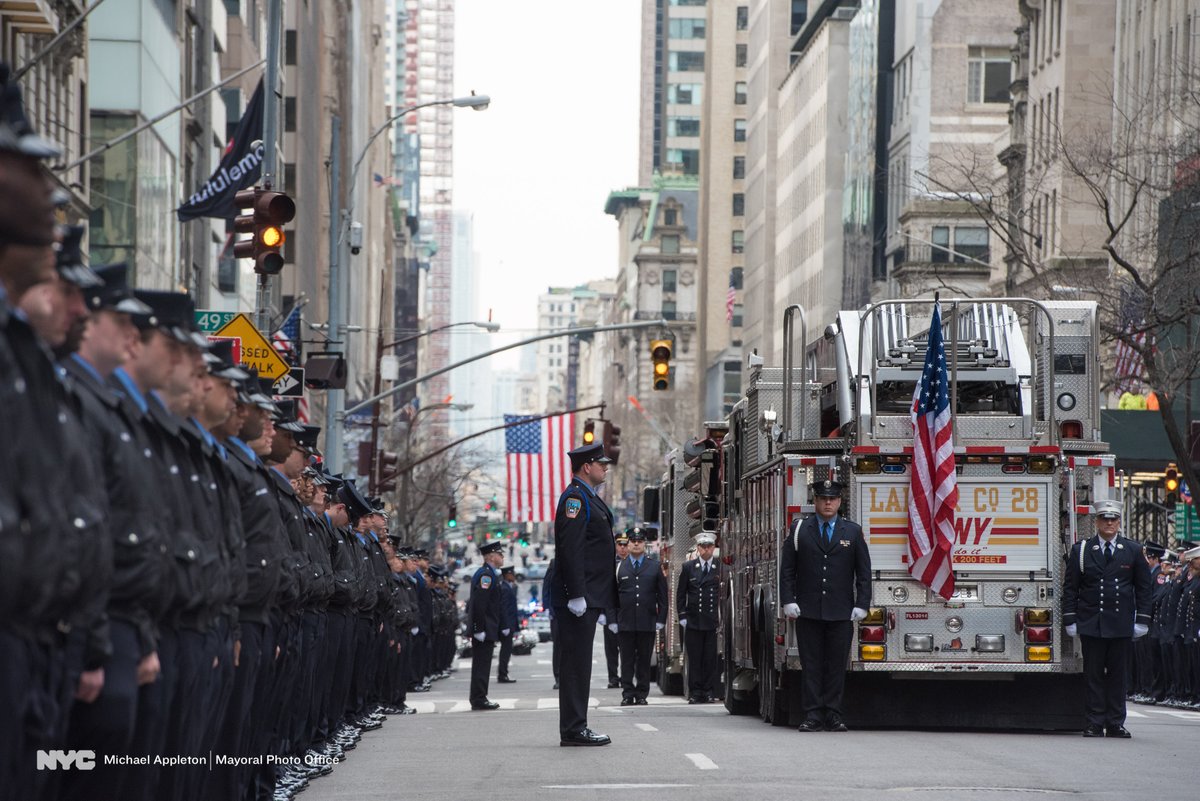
(256,350)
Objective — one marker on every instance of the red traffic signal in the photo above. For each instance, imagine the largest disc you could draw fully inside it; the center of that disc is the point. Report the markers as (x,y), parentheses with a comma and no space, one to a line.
(267,213)
(612,441)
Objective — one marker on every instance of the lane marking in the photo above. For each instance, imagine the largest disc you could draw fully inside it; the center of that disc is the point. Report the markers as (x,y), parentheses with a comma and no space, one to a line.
(460,706)
(507,703)
(611,786)
(1175,713)
(702,762)
(423,707)
(645,727)
(1133,713)
(545,661)
(547,703)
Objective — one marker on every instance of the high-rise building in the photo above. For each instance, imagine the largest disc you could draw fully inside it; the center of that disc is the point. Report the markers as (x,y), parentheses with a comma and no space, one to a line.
(673,59)
(558,360)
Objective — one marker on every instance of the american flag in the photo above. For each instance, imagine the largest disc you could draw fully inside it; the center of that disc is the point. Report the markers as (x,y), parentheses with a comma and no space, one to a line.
(730,297)
(409,410)
(933,489)
(286,340)
(382,181)
(538,466)
(1130,368)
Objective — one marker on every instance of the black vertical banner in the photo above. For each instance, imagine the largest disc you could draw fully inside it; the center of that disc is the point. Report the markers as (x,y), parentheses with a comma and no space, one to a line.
(239,168)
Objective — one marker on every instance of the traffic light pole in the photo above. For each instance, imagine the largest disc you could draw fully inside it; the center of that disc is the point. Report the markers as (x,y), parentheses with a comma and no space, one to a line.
(334,398)
(270,162)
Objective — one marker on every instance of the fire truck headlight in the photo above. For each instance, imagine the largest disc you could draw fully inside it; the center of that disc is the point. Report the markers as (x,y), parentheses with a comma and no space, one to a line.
(1011,594)
(954,625)
(1066,401)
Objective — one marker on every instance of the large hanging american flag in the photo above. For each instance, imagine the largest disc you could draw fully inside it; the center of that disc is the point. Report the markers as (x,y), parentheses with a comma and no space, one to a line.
(1130,368)
(933,488)
(538,466)
(731,297)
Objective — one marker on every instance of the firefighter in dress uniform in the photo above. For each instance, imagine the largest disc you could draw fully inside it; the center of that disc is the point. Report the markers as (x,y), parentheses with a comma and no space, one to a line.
(825,586)
(508,619)
(1107,595)
(485,617)
(697,599)
(641,612)
(612,647)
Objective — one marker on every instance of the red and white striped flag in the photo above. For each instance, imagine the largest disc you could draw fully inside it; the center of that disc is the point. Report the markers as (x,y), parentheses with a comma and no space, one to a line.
(933,488)
(1130,368)
(538,466)
(286,341)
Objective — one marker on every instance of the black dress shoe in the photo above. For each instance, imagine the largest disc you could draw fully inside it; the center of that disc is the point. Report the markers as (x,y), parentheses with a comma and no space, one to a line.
(506,680)
(836,724)
(1093,731)
(811,725)
(641,702)
(584,737)
(555,686)
(407,710)
(614,685)
(694,699)
(1117,731)
(486,705)
(627,702)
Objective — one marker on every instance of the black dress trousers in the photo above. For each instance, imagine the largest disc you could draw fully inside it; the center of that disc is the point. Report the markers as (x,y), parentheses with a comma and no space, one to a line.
(1105,671)
(575,638)
(636,647)
(481,669)
(824,646)
(701,647)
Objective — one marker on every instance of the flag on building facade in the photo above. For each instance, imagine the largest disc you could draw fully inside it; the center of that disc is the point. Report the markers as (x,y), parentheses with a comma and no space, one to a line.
(384,181)
(286,340)
(538,469)
(933,486)
(731,297)
(409,410)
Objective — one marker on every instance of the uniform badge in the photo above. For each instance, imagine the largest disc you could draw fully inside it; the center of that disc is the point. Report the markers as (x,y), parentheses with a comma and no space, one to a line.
(485,582)
(1162,579)
(573,507)
(845,543)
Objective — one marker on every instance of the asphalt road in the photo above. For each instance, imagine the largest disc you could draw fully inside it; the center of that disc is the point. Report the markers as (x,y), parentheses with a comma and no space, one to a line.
(670,750)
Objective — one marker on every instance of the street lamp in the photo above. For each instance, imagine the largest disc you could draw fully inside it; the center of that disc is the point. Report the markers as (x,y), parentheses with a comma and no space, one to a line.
(339,278)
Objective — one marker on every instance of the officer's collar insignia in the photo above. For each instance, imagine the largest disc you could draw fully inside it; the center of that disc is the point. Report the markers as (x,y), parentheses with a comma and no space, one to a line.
(1120,546)
(573,507)
(485,581)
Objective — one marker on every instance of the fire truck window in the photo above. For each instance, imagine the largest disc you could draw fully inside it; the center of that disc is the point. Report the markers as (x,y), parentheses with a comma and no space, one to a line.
(975,397)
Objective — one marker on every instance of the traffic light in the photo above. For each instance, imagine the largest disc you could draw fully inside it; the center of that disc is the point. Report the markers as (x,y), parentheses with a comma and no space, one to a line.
(1171,483)
(268,212)
(366,451)
(452,517)
(612,441)
(660,354)
(387,468)
(589,432)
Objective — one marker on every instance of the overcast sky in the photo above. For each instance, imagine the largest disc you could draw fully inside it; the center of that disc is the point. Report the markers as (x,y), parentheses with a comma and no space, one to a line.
(561,133)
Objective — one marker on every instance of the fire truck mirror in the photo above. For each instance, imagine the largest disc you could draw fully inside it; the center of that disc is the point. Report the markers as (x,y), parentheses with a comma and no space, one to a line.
(650,504)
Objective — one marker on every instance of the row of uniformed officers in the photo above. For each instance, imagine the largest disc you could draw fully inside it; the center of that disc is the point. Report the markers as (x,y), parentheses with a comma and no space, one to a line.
(1167,662)
(180,585)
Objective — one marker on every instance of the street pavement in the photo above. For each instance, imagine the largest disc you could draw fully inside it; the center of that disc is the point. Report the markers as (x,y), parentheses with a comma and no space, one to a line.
(670,750)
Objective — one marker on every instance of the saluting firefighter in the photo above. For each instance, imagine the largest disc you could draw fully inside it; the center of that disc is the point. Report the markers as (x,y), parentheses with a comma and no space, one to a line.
(825,586)
(1107,595)
(697,601)
(485,613)
(641,612)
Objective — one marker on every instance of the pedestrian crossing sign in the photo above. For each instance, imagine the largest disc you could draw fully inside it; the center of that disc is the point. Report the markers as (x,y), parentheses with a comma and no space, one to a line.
(256,351)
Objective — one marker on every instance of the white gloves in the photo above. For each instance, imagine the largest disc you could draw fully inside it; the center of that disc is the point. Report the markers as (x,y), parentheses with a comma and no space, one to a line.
(413,631)
(792,611)
(577,606)
(504,632)
(1140,630)
(612,627)
(659,627)
(1072,630)
(683,622)
(602,620)
(479,635)
(857,614)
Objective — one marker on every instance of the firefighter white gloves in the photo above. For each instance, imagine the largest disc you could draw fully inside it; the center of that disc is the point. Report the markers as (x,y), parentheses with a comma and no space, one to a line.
(659,626)
(413,631)
(577,606)
(602,620)
(1140,630)
(683,622)
(857,614)
(792,611)
(504,632)
(479,635)
(1072,630)
(612,627)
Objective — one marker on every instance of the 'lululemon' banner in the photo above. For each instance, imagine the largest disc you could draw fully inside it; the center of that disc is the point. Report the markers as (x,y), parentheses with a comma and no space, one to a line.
(240,167)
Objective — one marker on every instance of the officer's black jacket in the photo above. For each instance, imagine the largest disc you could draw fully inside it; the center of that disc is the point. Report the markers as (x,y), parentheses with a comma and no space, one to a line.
(698,595)
(444,612)
(1188,616)
(141,570)
(298,563)
(404,600)
(641,595)
(484,606)
(382,572)
(827,581)
(221,527)
(508,609)
(15,427)
(424,604)
(347,583)
(1162,588)
(318,552)
(1169,607)
(584,549)
(1106,600)
(266,547)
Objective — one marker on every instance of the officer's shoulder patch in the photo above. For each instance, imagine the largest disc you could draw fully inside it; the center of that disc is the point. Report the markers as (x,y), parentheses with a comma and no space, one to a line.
(485,581)
(572,507)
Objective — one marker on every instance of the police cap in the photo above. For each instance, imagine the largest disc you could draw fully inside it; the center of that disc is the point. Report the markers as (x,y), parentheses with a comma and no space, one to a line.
(586,454)
(508,569)
(491,547)
(827,489)
(356,505)
(114,292)
(1155,550)
(70,263)
(16,134)
(307,438)
(635,534)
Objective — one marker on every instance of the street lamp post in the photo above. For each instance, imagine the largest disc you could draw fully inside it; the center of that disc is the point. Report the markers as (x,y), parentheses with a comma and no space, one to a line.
(339,277)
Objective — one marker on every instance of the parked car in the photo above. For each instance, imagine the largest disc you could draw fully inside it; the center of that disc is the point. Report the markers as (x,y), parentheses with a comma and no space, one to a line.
(536,570)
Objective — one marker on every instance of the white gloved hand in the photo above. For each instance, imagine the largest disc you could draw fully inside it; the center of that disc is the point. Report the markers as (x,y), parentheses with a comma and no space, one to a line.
(857,614)
(659,626)
(479,635)
(413,631)
(577,606)
(505,632)
(792,611)
(1140,630)
(1072,630)
(683,622)
(602,620)
(612,627)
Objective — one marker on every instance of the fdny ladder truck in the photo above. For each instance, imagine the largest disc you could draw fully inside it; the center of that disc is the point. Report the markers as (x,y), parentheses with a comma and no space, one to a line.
(1024,392)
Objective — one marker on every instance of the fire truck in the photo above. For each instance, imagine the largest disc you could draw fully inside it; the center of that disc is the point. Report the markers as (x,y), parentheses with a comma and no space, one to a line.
(1025,399)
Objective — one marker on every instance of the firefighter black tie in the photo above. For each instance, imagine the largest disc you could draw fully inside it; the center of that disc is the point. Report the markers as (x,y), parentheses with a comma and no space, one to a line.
(1107,552)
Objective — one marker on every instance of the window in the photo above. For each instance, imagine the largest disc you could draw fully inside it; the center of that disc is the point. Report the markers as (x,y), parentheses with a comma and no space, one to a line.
(739,59)
(688,2)
(686,61)
(668,310)
(685,94)
(739,167)
(739,204)
(689,28)
(739,93)
(670,216)
(739,130)
(735,278)
(736,322)
(688,159)
(970,244)
(683,126)
(289,114)
(743,17)
(738,241)
(940,253)
(799,15)
(989,73)
(669,276)
(670,245)
(289,47)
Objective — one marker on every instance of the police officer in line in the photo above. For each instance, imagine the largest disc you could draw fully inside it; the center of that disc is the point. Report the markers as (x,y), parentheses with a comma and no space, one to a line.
(641,612)
(485,618)
(1186,642)
(697,602)
(825,586)
(1107,594)
(584,587)
(1148,678)
(508,621)
(612,648)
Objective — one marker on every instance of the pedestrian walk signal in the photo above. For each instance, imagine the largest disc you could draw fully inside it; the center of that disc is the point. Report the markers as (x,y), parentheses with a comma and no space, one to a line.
(660,355)
(589,432)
